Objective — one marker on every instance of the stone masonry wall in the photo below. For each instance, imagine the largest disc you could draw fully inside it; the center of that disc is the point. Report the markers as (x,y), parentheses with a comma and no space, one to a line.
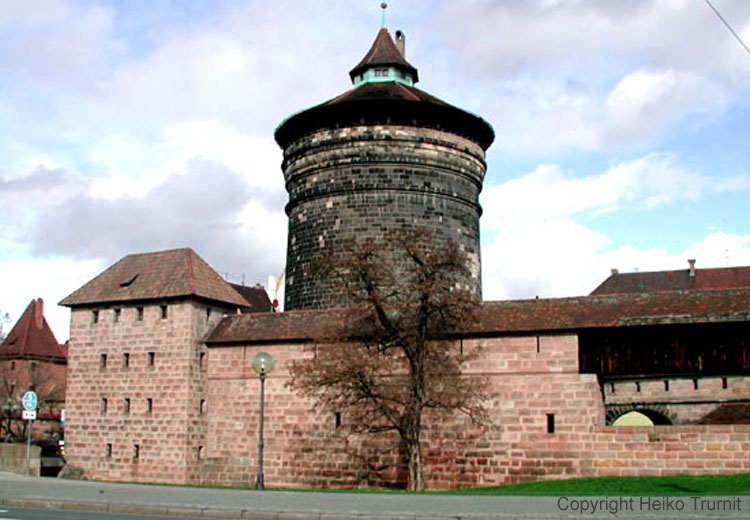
(134,390)
(533,378)
(360,182)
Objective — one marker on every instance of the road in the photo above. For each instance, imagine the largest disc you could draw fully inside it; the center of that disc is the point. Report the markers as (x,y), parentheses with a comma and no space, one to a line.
(184,502)
(24,513)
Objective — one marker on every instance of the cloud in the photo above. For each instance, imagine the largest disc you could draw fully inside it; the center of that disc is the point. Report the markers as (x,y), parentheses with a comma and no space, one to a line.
(549,192)
(605,75)
(200,208)
(23,280)
(537,241)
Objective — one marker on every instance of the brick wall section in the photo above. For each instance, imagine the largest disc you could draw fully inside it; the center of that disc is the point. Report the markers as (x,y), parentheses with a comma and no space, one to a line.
(169,436)
(531,377)
(359,182)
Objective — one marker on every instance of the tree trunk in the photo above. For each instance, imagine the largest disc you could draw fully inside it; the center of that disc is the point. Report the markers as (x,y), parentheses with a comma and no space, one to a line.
(412,443)
(414,462)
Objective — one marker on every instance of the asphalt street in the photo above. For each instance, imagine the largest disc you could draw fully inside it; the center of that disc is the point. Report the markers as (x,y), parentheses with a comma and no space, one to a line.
(23,513)
(184,502)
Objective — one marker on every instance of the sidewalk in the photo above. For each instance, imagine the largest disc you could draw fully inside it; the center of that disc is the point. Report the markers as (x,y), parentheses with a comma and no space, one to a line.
(16,490)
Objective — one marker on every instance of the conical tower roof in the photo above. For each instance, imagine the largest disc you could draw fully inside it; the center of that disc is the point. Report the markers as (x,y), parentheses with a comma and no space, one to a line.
(384,53)
(384,93)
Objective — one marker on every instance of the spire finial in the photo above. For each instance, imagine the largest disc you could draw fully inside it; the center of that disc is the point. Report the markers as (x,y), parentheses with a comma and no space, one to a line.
(383,6)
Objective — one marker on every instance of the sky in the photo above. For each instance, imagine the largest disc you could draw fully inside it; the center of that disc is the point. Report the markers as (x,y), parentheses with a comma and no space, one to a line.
(622,132)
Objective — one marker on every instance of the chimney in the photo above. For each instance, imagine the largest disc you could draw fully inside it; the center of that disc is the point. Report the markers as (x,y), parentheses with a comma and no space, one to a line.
(401,43)
(39,313)
(615,271)
(692,266)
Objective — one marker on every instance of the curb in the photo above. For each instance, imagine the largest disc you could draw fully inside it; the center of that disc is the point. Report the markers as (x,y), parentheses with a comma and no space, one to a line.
(202,512)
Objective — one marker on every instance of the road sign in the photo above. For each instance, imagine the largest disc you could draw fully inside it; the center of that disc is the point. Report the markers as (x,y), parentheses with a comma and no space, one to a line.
(30,400)
(29,415)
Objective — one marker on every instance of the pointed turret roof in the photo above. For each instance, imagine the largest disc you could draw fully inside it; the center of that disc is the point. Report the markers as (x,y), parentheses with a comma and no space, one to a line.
(175,273)
(384,53)
(384,93)
(31,337)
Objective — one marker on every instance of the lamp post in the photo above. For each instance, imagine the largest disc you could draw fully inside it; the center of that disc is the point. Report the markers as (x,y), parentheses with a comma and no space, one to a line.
(262,364)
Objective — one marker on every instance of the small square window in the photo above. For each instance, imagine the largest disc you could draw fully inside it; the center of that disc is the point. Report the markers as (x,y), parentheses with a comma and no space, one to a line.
(126,360)
(136,451)
(103,406)
(139,313)
(337,420)
(149,405)
(202,407)
(126,407)
(103,361)
(108,451)
(151,358)
(33,366)
(200,452)
(202,360)
(116,315)
(164,311)
(12,365)
(95,317)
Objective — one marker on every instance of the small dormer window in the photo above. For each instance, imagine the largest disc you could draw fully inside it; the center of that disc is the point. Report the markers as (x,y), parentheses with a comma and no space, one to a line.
(128,281)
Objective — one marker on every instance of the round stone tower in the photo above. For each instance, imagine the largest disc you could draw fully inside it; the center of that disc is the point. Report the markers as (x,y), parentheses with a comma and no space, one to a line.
(383,155)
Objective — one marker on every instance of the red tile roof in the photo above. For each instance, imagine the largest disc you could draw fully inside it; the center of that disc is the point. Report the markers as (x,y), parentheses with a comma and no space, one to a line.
(383,52)
(256,297)
(389,103)
(513,317)
(31,337)
(681,280)
(390,90)
(148,276)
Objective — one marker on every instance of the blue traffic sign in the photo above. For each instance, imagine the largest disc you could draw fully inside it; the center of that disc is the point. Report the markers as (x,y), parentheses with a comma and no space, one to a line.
(29,400)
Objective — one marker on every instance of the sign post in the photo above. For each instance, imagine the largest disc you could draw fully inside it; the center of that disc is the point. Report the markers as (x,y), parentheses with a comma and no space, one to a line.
(29,405)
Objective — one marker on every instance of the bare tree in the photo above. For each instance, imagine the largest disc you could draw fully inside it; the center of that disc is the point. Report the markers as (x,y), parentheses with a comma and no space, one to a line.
(18,376)
(393,358)
(4,320)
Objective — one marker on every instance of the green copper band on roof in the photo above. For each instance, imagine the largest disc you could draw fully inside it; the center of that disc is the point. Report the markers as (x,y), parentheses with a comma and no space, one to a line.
(384,6)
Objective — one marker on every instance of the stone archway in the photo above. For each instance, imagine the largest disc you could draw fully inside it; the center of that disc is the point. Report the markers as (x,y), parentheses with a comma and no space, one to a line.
(658,414)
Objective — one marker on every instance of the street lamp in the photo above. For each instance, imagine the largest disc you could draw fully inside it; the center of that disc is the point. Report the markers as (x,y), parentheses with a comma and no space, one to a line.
(262,364)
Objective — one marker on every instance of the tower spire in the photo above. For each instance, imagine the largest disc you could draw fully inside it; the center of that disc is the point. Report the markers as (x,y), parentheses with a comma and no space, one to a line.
(383,6)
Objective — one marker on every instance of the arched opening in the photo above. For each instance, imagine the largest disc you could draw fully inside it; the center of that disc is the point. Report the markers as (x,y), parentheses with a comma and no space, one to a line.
(633,419)
(641,417)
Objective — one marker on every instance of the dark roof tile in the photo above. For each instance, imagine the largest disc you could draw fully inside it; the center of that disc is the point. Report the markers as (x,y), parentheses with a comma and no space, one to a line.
(512,317)
(256,297)
(383,52)
(681,280)
(147,276)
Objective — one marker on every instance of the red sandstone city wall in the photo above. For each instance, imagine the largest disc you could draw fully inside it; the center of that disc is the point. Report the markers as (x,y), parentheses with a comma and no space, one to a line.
(530,378)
